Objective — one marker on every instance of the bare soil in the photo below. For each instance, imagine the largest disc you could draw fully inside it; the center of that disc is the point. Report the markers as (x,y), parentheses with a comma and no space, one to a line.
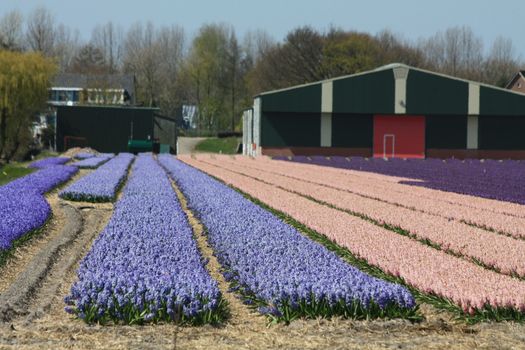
(44,324)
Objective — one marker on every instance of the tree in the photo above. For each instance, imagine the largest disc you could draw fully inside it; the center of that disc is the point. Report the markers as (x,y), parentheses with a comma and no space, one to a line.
(349,53)
(457,52)
(207,71)
(11,31)
(109,38)
(66,47)
(40,34)
(89,60)
(169,44)
(501,63)
(24,80)
(142,60)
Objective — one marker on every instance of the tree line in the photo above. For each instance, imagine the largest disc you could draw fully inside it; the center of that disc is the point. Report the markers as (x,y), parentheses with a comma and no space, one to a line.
(220,72)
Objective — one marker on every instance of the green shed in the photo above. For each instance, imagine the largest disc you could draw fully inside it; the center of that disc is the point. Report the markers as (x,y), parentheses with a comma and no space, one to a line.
(110,129)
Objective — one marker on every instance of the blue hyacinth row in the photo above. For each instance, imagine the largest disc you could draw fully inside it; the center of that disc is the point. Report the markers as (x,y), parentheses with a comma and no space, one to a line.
(145,265)
(46,162)
(23,207)
(283,272)
(101,185)
(84,155)
(93,162)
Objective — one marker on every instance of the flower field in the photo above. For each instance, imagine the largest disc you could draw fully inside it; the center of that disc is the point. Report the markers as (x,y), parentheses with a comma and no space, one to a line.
(284,240)
(503,253)
(274,266)
(22,203)
(101,185)
(438,259)
(493,179)
(145,265)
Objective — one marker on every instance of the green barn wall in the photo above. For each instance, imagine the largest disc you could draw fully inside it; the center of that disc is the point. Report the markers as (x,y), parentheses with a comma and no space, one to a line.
(446,132)
(501,132)
(352,130)
(290,129)
(305,99)
(365,94)
(433,94)
(497,102)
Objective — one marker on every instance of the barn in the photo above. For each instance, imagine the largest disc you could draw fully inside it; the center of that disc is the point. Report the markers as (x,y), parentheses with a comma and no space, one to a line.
(392,111)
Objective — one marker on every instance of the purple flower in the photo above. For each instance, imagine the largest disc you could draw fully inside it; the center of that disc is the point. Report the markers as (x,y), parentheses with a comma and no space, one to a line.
(269,258)
(145,262)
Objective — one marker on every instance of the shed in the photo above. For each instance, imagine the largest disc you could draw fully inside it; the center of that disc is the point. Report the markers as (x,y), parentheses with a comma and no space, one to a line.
(108,129)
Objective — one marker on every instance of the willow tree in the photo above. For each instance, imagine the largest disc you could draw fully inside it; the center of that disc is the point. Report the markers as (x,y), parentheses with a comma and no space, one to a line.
(24,80)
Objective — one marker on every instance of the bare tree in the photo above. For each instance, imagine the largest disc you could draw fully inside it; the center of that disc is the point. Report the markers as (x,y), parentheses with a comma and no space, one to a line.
(41,31)
(457,52)
(502,62)
(169,43)
(108,38)
(142,60)
(11,31)
(67,46)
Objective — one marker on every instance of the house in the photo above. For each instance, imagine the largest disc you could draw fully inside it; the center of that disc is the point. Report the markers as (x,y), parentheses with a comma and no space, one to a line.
(68,89)
(517,83)
(392,111)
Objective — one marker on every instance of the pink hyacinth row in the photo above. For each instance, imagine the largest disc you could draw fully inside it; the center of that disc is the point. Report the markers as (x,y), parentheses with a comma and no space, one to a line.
(508,218)
(427,269)
(503,253)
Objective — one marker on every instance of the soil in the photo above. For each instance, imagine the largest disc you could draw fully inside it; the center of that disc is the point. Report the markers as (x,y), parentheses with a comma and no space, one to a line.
(40,322)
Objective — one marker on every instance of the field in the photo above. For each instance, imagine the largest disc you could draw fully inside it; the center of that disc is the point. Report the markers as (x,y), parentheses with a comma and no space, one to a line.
(200,251)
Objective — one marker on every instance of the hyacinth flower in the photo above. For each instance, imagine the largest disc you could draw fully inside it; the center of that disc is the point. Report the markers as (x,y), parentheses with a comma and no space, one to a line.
(51,161)
(145,265)
(22,204)
(102,184)
(493,179)
(274,266)
(93,162)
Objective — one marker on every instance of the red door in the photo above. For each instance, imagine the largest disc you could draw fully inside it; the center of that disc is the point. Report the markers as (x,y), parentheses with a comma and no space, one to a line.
(399,136)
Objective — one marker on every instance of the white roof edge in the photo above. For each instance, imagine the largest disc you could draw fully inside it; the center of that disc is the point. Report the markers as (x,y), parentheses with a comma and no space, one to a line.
(387,67)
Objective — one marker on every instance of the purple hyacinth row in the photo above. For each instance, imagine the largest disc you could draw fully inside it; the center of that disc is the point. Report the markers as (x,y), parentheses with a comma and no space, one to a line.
(46,162)
(84,155)
(101,185)
(23,207)
(93,162)
(271,260)
(145,264)
(500,180)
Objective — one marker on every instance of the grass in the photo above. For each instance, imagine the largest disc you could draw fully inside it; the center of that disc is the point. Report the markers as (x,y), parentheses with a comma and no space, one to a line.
(226,145)
(12,171)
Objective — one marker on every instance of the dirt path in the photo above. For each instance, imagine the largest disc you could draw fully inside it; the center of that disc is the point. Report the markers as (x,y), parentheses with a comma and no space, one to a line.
(186,145)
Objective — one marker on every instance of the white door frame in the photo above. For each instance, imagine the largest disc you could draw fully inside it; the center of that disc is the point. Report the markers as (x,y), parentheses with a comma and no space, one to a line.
(385,137)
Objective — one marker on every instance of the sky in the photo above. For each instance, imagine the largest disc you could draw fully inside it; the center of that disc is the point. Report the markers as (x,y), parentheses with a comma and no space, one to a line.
(411,19)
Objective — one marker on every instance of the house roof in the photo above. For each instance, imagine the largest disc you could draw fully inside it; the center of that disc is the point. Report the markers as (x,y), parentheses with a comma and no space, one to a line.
(520,74)
(84,81)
